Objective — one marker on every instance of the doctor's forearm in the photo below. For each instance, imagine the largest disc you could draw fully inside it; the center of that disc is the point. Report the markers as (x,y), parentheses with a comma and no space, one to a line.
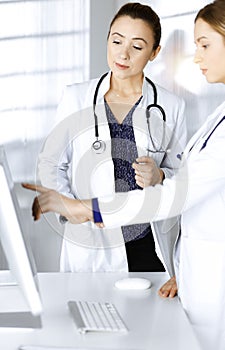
(128,208)
(153,203)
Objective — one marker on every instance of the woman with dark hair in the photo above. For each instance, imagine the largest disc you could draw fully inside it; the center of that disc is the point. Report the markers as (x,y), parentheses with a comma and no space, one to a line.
(69,165)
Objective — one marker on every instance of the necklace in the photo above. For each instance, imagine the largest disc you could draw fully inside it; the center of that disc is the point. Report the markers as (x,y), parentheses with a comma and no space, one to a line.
(126,97)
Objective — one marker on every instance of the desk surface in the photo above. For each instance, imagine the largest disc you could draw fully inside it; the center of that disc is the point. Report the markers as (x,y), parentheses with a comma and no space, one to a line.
(154,323)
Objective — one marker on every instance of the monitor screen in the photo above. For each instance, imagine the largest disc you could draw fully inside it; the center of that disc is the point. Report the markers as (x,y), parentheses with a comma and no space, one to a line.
(17,251)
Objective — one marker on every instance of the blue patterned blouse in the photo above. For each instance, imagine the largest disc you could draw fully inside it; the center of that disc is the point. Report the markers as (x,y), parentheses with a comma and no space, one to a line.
(124,153)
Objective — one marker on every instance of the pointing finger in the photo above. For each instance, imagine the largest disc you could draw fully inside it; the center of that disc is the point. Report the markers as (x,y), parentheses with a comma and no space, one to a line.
(33,187)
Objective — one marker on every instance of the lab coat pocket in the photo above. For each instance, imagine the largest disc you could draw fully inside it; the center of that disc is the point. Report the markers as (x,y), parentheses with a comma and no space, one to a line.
(93,174)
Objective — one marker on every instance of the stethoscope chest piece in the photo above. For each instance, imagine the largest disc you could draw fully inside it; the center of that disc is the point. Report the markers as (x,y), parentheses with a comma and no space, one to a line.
(98,146)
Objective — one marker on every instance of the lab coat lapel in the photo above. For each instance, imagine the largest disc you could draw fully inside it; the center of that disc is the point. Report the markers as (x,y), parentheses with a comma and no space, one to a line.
(103,176)
(199,137)
(140,125)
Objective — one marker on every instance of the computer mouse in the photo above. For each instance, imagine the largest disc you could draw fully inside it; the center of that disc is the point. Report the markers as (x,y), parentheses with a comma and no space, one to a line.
(134,283)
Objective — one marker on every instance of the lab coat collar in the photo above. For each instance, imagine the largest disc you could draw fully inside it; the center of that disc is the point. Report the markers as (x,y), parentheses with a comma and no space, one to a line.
(206,128)
(217,113)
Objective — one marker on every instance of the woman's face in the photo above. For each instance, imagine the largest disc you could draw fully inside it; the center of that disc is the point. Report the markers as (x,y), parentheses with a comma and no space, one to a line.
(210,52)
(130,47)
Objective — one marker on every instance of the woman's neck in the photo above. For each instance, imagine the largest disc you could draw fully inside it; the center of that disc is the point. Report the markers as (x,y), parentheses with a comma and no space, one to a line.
(122,95)
(126,88)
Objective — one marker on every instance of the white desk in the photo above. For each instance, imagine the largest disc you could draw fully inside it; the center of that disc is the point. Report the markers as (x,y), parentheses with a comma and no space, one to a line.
(154,323)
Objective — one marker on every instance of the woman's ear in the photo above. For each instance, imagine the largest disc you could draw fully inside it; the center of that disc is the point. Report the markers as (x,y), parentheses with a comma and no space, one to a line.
(154,53)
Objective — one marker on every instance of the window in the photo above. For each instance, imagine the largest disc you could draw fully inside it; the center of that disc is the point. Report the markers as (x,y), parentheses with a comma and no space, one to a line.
(44,45)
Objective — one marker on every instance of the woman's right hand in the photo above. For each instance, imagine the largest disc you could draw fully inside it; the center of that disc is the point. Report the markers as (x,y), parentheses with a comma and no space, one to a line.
(147,172)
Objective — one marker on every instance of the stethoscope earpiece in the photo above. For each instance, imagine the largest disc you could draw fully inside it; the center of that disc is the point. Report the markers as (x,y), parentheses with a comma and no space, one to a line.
(98,146)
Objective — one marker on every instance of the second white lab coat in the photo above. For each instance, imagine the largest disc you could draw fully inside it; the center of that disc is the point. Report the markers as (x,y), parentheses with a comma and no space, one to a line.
(197,192)
(69,165)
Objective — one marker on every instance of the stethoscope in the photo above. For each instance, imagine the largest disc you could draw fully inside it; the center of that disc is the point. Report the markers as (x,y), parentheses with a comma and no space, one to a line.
(99,146)
(179,156)
(214,129)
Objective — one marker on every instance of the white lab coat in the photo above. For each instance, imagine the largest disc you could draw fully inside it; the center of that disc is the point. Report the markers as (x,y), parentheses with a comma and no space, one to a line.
(69,165)
(197,192)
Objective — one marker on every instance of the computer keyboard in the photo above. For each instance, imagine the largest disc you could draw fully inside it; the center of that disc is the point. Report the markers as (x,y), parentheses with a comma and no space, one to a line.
(96,316)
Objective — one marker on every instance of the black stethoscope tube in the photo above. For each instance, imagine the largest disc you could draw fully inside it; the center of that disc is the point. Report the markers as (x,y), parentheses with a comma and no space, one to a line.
(99,145)
(205,142)
(94,104)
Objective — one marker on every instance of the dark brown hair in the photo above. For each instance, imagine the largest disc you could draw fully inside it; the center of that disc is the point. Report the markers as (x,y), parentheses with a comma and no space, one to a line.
(136,10)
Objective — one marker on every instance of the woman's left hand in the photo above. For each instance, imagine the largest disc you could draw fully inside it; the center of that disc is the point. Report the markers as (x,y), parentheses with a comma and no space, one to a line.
(169,289)
(146,172)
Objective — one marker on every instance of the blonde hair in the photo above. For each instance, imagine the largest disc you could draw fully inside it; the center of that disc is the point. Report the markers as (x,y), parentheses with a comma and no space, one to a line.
(214,15)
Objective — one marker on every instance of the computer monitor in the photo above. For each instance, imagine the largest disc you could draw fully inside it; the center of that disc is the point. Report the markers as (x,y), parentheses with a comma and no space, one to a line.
(18,253)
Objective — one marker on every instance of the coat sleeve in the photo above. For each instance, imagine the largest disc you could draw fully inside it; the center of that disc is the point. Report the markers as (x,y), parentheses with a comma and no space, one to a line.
(201,176)
(55,157)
